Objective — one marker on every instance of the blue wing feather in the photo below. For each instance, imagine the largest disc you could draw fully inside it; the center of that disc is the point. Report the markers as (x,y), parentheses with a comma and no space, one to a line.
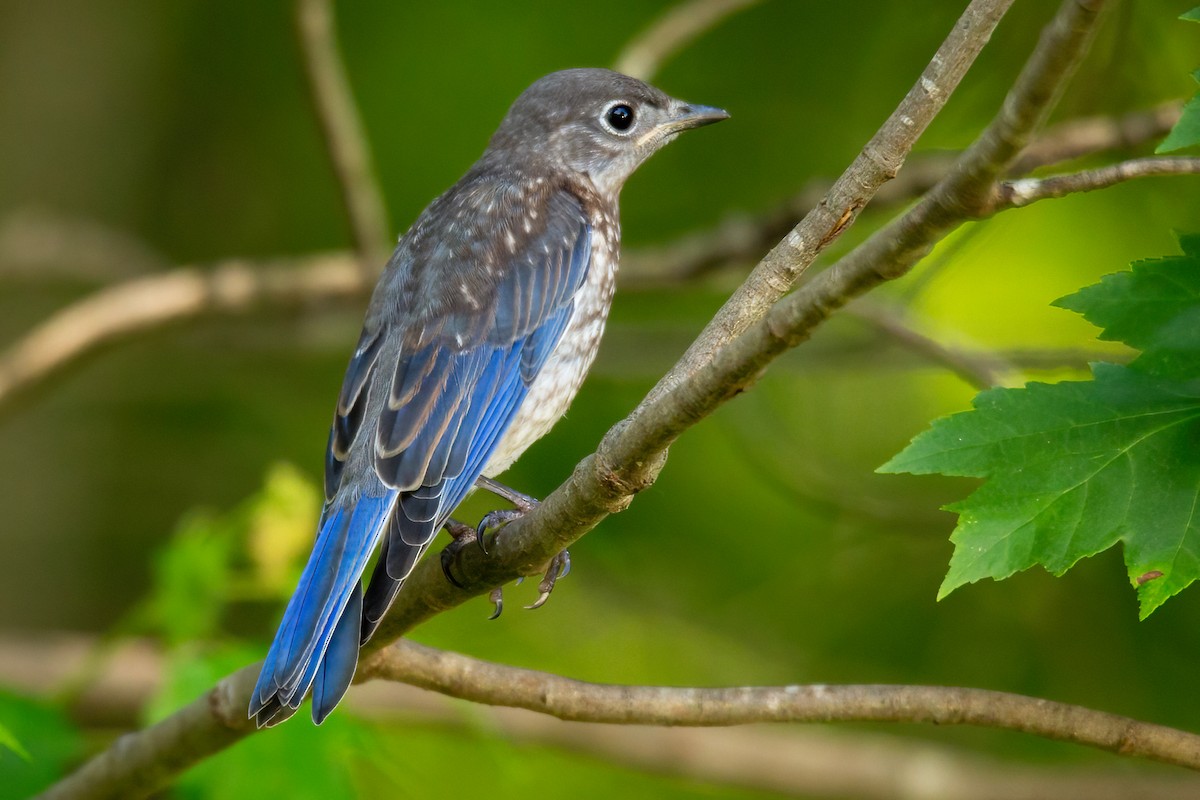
(431,421)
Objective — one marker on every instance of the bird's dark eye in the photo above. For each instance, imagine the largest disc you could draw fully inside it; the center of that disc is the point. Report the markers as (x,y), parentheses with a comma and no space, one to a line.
(620,117)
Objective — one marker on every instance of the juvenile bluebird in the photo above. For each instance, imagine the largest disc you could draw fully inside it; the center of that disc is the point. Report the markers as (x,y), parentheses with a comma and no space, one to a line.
(477,337)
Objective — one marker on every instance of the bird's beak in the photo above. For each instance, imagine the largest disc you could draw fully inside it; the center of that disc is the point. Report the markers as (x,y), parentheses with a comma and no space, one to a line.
(693,116)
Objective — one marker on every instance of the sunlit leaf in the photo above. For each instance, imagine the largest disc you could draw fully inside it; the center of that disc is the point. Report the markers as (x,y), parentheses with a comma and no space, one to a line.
(283,518)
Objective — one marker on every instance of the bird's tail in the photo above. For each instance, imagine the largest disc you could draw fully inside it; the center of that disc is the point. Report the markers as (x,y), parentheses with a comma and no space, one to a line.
(316,646)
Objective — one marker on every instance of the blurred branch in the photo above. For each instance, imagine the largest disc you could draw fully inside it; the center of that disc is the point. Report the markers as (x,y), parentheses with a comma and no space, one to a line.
(979,368)
(132,307)
(790,761)
(1083,137)
(38,244)
(679,26)
(1024,191)
(342,129)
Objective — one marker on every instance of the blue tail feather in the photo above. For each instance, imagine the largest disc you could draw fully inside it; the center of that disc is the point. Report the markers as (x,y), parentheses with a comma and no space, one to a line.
(325,595)
(340,660)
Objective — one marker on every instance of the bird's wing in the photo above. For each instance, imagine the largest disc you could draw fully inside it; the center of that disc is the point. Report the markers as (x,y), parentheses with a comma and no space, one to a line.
(455,336)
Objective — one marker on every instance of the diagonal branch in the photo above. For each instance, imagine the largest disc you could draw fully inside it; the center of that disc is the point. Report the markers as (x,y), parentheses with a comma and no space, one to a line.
(343,133)
(979,368)
(877,163)
(634,451)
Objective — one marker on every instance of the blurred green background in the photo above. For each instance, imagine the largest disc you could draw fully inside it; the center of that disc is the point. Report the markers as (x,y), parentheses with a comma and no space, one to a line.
(768,552)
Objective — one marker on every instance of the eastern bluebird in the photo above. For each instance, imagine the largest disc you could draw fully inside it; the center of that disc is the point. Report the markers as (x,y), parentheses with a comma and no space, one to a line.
(477,337)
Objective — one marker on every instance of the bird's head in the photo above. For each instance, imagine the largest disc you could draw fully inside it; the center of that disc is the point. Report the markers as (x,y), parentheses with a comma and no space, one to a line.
(595,122)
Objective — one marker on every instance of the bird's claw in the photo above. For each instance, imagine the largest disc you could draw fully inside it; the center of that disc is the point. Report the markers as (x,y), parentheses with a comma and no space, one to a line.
(496,596)
(559,567)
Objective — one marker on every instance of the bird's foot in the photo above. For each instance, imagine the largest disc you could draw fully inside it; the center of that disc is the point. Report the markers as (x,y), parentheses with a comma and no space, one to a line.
(558,567)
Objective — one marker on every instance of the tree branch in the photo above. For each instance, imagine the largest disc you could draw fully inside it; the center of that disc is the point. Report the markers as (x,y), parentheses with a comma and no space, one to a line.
(494,684)
(1082,137)
(344,137)
(673,31)
(634,451)
(791,761)
(1024,191)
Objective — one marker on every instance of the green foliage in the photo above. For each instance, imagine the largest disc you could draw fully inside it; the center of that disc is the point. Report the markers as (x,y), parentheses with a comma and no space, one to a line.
(37,745)
(1186,132)
(296,760)
(1075,467)
(212,559)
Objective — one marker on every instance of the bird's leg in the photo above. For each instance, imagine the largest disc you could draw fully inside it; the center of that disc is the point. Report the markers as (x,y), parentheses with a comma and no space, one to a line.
(498,519)
(558,567)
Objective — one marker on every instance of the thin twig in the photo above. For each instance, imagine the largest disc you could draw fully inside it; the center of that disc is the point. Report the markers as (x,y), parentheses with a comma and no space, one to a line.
(1023,191)
(349,151)
(674,30)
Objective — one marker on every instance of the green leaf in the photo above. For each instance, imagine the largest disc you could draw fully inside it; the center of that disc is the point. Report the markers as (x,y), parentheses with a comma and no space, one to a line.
(1075,467)
(49,745)
(1186,132)
(213,560)
(1155,308)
